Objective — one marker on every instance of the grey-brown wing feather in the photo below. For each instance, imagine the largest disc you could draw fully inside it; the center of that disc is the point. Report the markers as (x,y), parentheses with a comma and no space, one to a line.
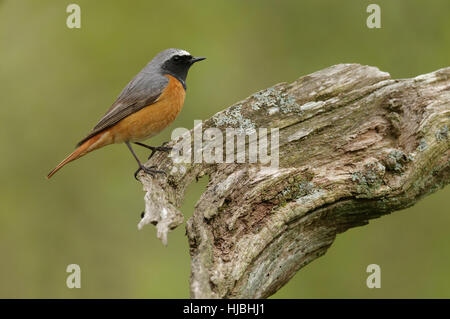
(143,90)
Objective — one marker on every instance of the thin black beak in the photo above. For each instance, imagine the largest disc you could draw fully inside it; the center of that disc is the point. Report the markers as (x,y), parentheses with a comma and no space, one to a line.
(193,60)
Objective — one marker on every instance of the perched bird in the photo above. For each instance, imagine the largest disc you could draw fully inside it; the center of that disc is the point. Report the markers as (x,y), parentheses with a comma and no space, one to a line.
(147,105)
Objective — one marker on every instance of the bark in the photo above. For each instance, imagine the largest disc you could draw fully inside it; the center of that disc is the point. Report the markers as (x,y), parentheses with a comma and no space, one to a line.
(353,145)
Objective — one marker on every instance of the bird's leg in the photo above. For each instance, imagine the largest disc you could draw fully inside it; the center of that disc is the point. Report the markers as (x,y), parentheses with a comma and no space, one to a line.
(154,148)
(149,170)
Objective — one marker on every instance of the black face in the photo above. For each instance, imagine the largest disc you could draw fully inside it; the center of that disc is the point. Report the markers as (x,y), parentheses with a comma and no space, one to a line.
(178,66)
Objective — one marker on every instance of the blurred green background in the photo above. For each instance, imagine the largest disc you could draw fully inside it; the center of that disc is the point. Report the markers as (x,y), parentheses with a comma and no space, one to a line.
(57,82)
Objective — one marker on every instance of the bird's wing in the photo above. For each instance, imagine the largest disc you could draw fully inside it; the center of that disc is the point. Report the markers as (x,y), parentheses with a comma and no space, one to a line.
(143,90)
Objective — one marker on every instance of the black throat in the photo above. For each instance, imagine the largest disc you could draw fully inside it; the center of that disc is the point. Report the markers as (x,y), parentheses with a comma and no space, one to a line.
(178,77)
(178,69)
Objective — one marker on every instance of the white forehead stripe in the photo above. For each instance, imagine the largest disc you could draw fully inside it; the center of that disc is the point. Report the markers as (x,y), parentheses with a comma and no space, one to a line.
(182,52)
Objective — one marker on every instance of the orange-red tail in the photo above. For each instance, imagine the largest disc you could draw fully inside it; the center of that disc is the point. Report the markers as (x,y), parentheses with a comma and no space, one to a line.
(80,151)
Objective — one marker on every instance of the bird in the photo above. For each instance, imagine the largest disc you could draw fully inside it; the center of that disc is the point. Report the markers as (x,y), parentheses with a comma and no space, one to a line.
(147,105)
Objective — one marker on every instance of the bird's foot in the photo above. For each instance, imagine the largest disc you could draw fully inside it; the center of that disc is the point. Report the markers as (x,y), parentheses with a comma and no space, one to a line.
(149,170)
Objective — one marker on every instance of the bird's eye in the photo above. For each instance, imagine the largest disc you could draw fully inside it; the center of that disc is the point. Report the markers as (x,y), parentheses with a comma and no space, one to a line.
(176,58)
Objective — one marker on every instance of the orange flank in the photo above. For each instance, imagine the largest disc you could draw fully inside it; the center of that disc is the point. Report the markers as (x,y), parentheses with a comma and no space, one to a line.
(152,119)
(141,125)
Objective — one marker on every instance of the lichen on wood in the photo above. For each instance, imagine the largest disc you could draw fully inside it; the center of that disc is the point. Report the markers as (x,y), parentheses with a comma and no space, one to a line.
(354,144)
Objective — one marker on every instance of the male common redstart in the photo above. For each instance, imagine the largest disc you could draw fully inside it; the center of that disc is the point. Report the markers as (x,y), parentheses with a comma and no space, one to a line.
(147,105)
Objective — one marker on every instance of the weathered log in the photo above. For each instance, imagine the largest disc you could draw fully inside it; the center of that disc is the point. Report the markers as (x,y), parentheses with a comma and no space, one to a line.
(353,145)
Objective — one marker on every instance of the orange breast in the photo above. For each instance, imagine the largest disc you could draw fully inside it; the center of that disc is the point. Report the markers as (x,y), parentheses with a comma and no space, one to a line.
(152,119)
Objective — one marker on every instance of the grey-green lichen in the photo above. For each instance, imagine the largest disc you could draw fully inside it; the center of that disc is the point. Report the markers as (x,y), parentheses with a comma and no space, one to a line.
(423,145)
(233,117)
(442,134)
(370,178)
(295,191)
(396,160)
(275,100)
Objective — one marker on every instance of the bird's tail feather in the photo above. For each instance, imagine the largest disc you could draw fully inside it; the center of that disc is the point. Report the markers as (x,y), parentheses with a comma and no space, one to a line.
(80,151)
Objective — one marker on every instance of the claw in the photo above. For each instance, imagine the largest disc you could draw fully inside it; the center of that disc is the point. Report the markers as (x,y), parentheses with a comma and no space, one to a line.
(135,173)
(163,148)
(159,149)
(149,170)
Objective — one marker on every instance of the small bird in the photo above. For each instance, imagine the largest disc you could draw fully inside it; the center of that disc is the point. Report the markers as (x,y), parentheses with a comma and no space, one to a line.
(147,105)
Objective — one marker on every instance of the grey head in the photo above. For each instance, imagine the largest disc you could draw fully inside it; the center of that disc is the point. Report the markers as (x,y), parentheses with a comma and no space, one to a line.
(175,62)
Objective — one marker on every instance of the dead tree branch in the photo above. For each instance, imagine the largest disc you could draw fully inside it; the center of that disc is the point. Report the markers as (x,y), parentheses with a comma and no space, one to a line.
(353,145)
